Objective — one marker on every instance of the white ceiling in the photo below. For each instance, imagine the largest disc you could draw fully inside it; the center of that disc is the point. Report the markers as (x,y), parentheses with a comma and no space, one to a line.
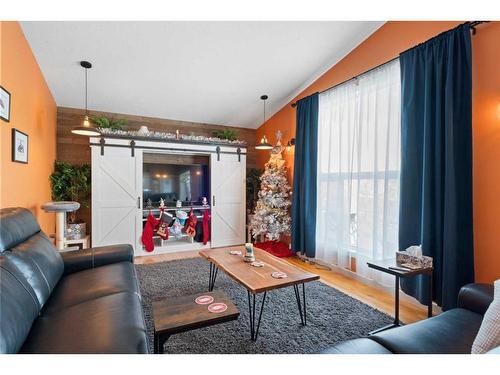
(210,72)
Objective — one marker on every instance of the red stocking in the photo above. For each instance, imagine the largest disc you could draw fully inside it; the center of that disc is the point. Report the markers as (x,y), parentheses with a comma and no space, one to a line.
(162,230)
(147,232)
(206,231)
(191,224)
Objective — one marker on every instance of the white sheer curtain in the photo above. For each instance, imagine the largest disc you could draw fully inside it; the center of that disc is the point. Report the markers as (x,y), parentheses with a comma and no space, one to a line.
(358,171)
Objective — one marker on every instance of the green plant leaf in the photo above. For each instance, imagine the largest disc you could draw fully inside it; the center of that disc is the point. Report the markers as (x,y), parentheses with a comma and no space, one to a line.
(106,123)
(225,134)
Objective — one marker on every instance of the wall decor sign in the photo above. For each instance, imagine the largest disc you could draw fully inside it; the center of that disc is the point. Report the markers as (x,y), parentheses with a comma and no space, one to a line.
(4,104)
(19,146)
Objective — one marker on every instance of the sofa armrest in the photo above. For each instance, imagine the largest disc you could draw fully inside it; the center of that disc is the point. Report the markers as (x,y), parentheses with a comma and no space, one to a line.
(476,297)
(80,260)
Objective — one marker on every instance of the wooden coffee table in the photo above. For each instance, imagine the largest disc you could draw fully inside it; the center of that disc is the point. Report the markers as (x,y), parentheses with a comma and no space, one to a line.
(258,280)
(181,314)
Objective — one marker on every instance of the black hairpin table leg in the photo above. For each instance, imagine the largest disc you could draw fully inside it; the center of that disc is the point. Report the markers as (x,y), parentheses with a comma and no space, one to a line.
(212,277)
(159,343)
(254,331)
(301,304)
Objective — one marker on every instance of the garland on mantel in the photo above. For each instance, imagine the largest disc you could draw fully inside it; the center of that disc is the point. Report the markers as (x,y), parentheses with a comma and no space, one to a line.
(170,136)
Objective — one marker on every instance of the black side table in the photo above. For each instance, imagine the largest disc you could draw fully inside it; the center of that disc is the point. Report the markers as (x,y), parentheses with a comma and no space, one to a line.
(383,266)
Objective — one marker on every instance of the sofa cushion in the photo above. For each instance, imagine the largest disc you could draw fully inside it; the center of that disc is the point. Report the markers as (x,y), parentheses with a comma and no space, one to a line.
(18,307)
(110,324)
(451,332)
(16,225)
(488,337)
(40,262)
(357,346)
(93,283)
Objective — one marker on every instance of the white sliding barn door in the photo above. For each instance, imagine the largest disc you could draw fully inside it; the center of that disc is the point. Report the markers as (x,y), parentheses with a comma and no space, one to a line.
(116,196)
(228,190)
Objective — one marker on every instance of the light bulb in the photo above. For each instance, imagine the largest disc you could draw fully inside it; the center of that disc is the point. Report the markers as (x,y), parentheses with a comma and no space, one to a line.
(86,122)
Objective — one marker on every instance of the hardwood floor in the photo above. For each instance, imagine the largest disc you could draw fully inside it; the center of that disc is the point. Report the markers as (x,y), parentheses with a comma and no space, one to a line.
(374,296)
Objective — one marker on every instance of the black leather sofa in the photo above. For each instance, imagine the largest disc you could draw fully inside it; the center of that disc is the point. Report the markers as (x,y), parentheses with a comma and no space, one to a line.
(451,332)
(84,301)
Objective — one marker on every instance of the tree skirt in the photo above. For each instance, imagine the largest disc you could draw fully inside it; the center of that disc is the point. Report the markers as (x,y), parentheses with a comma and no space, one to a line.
(332,316)
(276,248)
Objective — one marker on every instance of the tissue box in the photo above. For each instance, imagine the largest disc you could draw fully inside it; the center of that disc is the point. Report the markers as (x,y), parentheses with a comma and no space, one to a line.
(403,257)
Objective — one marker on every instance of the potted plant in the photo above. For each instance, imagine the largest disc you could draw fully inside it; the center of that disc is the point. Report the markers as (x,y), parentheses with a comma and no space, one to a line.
(72,183)
(107,123)
(228,134)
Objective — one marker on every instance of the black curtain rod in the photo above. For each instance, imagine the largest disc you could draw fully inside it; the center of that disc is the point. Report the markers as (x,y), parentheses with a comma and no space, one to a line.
(472,26)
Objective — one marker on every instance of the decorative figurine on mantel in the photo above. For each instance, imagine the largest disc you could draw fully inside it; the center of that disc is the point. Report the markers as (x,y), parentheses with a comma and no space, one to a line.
(143,130)
(204,202)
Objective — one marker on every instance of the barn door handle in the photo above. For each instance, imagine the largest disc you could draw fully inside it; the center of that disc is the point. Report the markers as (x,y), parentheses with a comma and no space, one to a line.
(213,200)
(139,202)
(101,143)
(132,147)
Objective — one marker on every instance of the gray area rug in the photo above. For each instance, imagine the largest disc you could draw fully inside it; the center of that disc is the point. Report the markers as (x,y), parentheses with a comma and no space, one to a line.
(332,316)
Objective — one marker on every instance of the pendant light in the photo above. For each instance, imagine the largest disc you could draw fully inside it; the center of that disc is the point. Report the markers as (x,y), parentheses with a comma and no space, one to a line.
(86,129)
(264,144)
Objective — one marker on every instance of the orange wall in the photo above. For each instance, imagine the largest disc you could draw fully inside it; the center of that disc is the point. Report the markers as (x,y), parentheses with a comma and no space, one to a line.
(385,44)
(33,111)
(486,143)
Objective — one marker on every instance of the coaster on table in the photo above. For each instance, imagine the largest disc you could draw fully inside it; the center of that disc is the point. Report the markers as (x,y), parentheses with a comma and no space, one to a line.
(279,275)
(204,300)
(257,263)
(217,307)
(235,252)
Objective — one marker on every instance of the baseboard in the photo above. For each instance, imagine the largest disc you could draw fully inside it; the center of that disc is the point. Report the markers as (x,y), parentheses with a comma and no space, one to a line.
(172,248)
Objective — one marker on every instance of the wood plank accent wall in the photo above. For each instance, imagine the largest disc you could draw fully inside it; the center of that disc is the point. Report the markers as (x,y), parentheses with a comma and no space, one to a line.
(75,149)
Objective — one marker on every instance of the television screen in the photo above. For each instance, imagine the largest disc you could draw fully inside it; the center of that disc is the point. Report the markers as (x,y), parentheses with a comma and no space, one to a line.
(173,178)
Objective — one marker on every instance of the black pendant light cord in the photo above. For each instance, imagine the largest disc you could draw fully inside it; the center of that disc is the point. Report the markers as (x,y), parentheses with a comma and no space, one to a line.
(86,129)
(264,110)
(86,65)
(86,111)
(264,98)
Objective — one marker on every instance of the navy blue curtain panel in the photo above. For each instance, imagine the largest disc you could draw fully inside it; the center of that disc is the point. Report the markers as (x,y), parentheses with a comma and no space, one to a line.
(436,162)
(304,176)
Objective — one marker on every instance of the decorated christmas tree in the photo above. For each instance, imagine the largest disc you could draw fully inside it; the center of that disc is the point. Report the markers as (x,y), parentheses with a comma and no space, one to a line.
(271,217)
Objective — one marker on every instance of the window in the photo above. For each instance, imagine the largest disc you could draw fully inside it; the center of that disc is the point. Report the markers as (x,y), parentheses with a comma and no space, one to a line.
(358,169)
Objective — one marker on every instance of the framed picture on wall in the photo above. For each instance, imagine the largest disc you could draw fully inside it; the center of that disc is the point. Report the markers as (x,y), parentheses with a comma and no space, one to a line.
(19,146)
(4,104)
